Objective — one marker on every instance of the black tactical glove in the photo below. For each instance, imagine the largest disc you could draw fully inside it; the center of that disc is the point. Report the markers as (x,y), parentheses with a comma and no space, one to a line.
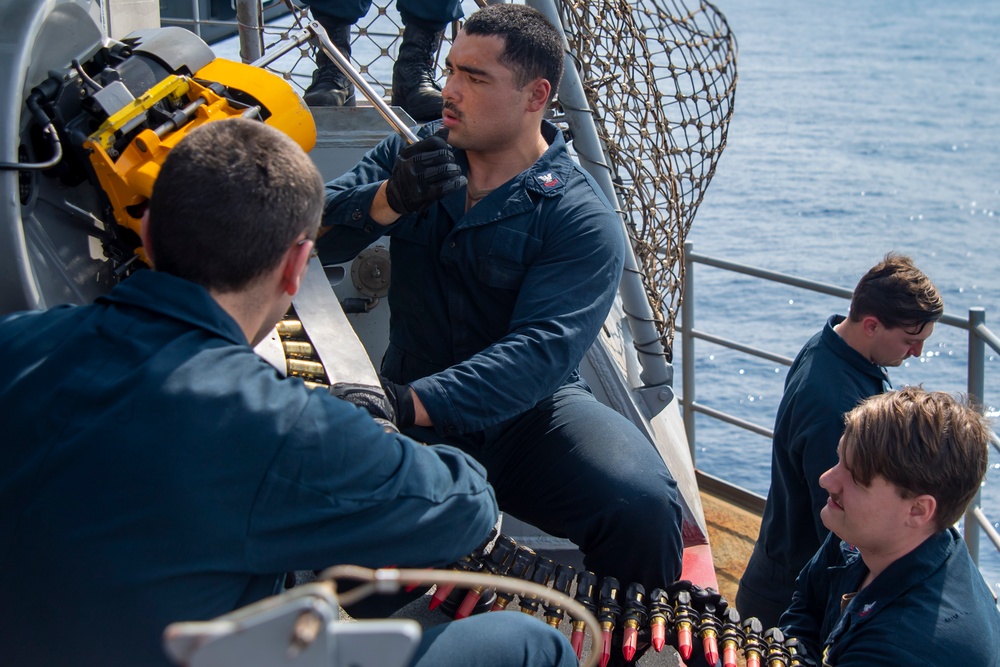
(424,172)
(377,405)
(400,398)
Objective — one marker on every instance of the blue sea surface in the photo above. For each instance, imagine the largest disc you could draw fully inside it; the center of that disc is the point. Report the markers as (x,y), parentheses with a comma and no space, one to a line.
(859,128)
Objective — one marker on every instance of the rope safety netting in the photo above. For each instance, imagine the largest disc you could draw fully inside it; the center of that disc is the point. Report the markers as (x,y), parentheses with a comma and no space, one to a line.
(661,81)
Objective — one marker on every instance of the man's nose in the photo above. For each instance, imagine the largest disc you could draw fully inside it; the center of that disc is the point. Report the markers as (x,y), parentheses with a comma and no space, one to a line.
(826,479)
(449,91)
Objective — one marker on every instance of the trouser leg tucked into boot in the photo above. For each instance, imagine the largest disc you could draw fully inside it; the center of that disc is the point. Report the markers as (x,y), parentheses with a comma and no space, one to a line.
(330,87)
(413,84)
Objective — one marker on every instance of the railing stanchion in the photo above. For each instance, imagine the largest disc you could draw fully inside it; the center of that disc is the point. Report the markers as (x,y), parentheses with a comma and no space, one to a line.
(687,346)
(977,390)
(196,16)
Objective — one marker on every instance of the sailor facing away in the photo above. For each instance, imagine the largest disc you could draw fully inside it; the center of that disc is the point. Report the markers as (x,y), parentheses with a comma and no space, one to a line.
(155,469)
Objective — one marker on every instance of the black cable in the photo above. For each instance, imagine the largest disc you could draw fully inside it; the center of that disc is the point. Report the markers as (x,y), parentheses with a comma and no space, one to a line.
(50,132)
(86,78)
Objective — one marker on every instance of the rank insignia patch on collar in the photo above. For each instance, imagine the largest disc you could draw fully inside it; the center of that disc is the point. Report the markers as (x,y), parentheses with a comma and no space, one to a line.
(549,180)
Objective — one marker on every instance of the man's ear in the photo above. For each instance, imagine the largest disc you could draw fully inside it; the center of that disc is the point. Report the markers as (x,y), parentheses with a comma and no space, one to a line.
(540,90)
(295,264)
(870,324)
(922,511)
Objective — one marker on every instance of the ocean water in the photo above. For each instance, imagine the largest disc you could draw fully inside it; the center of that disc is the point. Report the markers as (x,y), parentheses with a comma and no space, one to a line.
(859,128)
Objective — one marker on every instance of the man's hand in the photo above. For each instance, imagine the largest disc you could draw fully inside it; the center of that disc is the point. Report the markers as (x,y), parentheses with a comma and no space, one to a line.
(400,398)
(379,407)
(396,406)
(424,172)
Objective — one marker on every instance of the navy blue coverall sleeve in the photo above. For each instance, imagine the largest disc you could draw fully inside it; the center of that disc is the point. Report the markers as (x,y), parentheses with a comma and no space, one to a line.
(814,447)
(568,268)
(804,617)
(347,227)
(560,309)
(384,500)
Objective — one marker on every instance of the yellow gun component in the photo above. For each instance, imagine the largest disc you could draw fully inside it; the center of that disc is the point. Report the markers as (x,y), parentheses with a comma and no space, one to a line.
(128,179)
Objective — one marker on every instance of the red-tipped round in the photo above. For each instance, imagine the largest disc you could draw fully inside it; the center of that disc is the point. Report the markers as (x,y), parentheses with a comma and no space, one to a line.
(711,646)
(576,639)
(439,595)
(628,643)
(606,649)
(753,660)
(658,637)
(729,656)
(468,604)
(684,645)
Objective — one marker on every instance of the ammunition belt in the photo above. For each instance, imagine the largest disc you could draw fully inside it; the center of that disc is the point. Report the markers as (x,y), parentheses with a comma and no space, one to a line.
(301,359)
(675,614)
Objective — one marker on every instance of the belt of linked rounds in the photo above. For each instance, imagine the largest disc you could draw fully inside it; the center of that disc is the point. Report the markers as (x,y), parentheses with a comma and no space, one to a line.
(678,614)
(301,359)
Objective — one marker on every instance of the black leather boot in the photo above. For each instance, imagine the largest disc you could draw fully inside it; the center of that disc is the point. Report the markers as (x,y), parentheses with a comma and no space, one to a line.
(330,87)
(413,85)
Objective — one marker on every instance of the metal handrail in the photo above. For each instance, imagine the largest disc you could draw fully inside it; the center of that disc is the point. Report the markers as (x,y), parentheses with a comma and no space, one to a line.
(987,527)
(980,336)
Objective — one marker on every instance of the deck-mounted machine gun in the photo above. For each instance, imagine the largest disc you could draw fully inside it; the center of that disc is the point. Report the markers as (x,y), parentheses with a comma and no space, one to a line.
(97,118)
(80,155)
(104,115)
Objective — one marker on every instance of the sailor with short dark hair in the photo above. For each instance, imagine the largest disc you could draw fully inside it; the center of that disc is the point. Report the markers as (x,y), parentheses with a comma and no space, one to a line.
(155,469)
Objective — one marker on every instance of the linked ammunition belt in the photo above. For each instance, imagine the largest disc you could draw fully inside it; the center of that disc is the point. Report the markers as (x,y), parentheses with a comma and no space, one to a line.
(300,358)
(675,614)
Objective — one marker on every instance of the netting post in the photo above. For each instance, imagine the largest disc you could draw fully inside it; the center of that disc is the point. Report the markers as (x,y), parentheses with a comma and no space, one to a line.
(656,372)
(687,347)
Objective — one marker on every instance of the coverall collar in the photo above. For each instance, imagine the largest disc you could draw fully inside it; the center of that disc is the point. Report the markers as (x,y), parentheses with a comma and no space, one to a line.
(170,296)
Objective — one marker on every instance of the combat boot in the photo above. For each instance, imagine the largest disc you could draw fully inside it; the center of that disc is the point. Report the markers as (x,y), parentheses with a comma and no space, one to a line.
(330,87)
(413,84)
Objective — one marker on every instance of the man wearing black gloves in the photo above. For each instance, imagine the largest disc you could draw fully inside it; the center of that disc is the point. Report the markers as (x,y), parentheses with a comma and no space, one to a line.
(506,259)
(154,469)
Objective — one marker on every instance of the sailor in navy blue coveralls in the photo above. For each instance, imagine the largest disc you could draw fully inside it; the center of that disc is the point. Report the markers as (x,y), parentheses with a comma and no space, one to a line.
(492,311)
(827,379)
(929,608)
(174,476)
